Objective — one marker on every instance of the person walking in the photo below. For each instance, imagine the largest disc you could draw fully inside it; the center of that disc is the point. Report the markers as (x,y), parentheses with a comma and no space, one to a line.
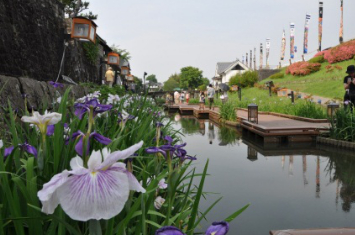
(187,97)
(182,97)
(349,86)
(210,95)
(176,97)
(109,76)
(202,100)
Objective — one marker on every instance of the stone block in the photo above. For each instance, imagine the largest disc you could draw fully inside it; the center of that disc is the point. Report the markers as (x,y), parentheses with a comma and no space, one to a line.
(11,90)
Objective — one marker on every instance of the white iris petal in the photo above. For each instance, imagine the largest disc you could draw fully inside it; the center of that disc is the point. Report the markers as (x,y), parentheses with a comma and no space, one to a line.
(99,192)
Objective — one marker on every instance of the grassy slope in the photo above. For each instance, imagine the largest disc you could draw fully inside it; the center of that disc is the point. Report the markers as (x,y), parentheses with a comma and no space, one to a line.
(320,83)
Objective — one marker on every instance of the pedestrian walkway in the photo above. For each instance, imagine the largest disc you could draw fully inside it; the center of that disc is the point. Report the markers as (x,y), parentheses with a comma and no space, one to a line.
(271,126)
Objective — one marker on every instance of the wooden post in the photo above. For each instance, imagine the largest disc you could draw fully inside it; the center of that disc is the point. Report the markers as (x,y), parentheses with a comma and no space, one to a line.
(303,57)
(290,61)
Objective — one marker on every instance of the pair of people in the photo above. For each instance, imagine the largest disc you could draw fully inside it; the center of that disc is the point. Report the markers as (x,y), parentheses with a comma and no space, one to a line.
(210,95)
(349,86)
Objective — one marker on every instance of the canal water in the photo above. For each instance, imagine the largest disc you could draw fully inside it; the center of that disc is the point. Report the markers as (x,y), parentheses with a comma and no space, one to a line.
(294,186)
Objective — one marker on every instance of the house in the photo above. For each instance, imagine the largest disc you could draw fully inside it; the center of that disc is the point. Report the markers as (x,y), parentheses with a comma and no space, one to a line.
(226,70)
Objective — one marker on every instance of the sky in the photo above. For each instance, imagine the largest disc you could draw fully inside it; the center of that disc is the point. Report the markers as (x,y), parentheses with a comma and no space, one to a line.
(164,36)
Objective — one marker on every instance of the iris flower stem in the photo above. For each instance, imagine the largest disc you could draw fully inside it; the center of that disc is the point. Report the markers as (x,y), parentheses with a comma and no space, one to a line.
(95,227)
(42,155)
(86,138)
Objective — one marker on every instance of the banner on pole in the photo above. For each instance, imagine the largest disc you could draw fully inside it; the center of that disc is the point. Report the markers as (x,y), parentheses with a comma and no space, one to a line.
(320,26)
(267,46)
(254,58)
(251,59)
(292,40)
(243,60)
(261,56)
(306,29)
(341,22)
(283,45)
(246,60)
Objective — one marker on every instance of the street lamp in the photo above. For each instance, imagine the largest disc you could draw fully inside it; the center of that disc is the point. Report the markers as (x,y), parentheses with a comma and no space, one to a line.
(331,109)
(269,84)
(113,58)
(253,113)
(83,29)
(145,74)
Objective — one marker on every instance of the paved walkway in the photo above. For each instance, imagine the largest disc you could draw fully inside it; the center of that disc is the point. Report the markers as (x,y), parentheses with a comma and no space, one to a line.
(268,121)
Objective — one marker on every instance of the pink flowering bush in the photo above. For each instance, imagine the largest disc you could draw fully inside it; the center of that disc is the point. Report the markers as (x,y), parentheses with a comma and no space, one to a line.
(345,51)
(303,68)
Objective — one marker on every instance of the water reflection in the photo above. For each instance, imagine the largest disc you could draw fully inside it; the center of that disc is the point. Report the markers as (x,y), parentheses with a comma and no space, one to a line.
(319,171)
(343,169)
(226,136)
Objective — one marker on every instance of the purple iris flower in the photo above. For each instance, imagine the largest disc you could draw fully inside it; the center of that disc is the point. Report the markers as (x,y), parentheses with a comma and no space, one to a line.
(218,228)
(159,124)
(24,147)
(80,145)
(56,84)
(82,108)
(50,130)
(161,149)
(169,230)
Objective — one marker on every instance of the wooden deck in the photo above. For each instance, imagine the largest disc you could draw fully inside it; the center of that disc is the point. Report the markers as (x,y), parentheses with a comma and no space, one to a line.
(324,231)
(272,127)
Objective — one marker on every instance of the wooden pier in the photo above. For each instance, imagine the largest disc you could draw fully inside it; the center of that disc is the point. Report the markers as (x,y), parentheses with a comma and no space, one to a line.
(271,127)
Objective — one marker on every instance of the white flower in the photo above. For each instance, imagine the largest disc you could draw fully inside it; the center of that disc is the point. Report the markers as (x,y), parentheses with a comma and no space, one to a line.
(158,202)
(59,99)
(97,192)
(162,184)
(113,99)
(1,144)
(42,121)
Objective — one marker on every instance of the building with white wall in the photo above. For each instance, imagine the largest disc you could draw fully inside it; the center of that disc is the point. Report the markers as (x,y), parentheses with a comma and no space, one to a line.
(226,70)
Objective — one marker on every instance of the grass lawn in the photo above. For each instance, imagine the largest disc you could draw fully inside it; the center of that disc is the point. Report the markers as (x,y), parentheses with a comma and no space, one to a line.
(302,108)
(320,83)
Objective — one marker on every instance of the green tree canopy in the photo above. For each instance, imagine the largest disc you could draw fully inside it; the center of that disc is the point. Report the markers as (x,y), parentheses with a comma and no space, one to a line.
(152,78)
(172,82)
(190,77)
(124,54)
(139,83)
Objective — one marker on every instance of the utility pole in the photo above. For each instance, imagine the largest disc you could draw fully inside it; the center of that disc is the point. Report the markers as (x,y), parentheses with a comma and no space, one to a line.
(145,74)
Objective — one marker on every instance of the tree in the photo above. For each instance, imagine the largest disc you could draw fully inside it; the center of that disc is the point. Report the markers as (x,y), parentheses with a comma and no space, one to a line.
(172,83)
(190,77)
(124,54)
(138,82)
(206,81)
(74,7)
(152,78)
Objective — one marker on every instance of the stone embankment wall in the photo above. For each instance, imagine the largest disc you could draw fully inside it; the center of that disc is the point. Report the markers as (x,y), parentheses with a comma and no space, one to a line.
(37,93)
(32,37)
(265,73)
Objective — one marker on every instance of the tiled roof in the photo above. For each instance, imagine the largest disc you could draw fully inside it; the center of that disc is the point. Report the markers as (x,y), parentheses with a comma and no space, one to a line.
(223,66)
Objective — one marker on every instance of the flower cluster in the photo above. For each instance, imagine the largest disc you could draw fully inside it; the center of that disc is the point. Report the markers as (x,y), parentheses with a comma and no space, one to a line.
(344,51)
(303,68)
(217,228)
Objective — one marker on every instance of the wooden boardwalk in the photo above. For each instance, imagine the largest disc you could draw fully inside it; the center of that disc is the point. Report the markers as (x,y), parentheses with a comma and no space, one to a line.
(271,127)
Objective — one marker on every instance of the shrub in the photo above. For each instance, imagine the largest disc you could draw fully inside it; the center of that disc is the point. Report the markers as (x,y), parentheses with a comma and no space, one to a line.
(309,109)
(343,128)
(247,79)
(227,111)
(317,59)
(303,68)
(277,76)
(345,51)
(194,101)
